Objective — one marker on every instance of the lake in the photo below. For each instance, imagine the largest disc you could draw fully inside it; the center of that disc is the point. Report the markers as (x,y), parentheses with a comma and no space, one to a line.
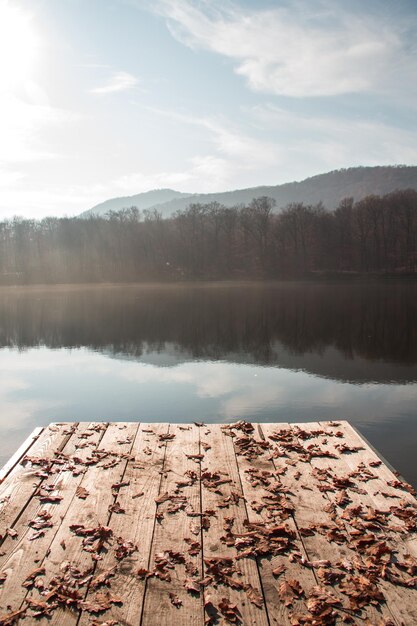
(213,352)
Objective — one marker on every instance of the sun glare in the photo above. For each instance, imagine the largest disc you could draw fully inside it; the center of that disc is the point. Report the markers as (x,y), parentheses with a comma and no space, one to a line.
(18,46)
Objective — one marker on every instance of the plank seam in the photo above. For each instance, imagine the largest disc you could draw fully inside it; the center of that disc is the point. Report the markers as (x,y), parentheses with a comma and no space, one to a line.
(153,532)
(203,594)
(247,517)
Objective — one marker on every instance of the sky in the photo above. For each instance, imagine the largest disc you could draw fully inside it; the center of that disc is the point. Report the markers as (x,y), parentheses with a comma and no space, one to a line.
(106,98)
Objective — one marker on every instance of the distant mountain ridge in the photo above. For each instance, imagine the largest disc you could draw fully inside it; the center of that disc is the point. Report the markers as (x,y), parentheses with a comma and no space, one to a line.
(142,201)
(328,188)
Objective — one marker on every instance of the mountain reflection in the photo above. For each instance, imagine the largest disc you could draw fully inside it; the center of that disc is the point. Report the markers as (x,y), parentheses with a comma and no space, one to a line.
(352,332)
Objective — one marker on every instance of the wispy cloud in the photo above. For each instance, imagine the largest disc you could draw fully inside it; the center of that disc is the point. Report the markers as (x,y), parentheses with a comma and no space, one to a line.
(228,139)
(301,49)
(119,81)
(330,142)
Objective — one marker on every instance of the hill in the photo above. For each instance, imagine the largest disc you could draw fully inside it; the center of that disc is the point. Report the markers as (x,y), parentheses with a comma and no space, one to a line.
(142,201)
(328,188)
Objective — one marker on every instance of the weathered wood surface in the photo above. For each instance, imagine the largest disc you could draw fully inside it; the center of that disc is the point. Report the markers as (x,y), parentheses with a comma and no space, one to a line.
(150,524)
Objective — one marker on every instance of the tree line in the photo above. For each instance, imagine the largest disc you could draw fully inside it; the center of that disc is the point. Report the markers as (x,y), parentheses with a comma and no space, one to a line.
(377,234)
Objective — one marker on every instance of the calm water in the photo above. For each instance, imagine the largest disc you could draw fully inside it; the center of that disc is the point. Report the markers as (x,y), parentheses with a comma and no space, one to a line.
(274,352)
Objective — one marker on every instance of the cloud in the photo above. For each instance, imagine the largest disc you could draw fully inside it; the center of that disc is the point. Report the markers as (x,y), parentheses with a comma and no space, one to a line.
(203,173)
(300,49)
(234,153)
(331,142)
(119,81)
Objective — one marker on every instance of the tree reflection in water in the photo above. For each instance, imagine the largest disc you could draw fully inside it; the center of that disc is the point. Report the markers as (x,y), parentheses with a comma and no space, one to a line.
(284,324)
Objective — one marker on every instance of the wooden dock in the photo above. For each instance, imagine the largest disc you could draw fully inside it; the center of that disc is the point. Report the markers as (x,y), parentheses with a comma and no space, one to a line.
(161,524)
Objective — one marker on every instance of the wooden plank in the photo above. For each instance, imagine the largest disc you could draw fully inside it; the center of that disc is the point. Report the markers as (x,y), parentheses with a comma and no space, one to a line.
(385,475)
(137,498)
(171,534)
(22,481)
(149,463)
(336,465)
(254,484)
(20,452)
(400,599)
(311,507)
(92,512)
(22,553)
(220,459)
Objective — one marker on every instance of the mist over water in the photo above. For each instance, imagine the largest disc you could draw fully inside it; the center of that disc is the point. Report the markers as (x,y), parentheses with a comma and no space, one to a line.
(213,352)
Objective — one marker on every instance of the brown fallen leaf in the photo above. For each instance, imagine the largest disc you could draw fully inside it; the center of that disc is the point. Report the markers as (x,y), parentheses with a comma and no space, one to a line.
(46,497)
(30,580)
(286,593)
(41,608)
(103,578)
(175,600)
(166,436)
(162,498)
(11,618)
(229,611)
(124,548)
(195,546)
(36,535)
(81,492)
(116,508)
(192,585)
(195,457)
(254,595)
(94,538)
(42,520)
(100,602)
(278,570)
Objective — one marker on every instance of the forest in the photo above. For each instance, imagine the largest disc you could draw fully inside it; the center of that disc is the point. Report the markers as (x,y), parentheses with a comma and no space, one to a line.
(376,235)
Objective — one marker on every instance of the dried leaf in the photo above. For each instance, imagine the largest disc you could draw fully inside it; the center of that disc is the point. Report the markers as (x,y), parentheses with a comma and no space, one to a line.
(11,618)
(254,595)
(103,578)
(30,580)
(116,508)
(192,585)
(278,570)
(229,611)
(81,492)
(175,600)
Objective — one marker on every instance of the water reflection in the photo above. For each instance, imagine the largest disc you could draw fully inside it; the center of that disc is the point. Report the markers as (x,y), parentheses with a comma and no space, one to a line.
(358,333)
(264,352)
